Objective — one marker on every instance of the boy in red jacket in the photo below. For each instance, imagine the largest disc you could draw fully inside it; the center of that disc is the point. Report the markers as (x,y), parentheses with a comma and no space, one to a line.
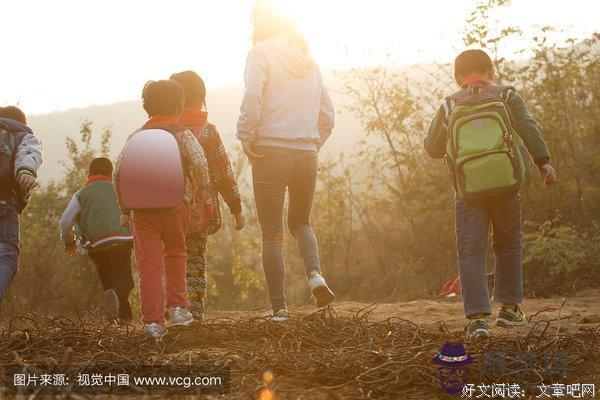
(159,235)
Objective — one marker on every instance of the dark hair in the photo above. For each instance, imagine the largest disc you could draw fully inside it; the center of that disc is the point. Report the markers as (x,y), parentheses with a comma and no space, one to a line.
(472,61)
(13,112)
(164,97)
(193,87)
(101,166)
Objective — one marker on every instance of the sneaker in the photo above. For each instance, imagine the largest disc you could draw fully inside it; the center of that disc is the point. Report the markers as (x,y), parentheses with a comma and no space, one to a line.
(278,316)
(509,317)
(319,289)
(180,316)
(478,328)
(111,304)
(155,330)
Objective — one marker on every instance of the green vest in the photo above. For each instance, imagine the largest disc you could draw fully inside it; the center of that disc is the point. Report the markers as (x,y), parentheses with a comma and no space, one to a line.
(100,214)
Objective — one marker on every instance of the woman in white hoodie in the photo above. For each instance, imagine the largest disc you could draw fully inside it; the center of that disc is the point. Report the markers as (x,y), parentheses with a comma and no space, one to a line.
(286,116)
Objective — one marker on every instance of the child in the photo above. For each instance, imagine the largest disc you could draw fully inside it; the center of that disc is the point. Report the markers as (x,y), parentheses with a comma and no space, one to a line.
(21,158)
(206,218)
(159,234)
(95,212)
(485,191)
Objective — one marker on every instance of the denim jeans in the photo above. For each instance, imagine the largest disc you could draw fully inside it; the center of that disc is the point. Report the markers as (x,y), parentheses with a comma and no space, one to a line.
(279,170)
(472,226)
(9,243)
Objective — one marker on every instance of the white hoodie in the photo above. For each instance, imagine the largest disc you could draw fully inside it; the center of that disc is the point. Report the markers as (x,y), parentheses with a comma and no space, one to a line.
(285,103)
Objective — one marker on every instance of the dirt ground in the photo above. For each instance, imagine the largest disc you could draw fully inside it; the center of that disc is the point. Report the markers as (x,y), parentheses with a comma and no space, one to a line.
(583,308)
(334,354)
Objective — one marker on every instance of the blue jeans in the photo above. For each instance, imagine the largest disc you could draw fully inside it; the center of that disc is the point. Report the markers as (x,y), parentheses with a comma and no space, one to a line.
(294,171)
(472,226)
(9,243)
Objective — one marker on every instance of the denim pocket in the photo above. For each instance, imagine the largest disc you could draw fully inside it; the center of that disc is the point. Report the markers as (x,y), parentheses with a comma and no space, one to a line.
(9,223)
(272,167)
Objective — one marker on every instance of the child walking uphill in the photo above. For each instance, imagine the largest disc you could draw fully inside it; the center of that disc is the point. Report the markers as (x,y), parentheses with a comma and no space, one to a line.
(157,175)
(205,213)
(486,134)
(94,211)
(21,158)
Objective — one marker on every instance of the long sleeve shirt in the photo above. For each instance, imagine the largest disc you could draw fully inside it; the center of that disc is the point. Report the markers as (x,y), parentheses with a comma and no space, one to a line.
(435,141)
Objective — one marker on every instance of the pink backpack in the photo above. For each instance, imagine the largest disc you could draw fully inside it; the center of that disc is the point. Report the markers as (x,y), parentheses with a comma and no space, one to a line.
(152,172)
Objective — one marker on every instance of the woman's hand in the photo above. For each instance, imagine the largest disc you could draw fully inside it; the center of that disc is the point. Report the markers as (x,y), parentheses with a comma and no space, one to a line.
(253,157)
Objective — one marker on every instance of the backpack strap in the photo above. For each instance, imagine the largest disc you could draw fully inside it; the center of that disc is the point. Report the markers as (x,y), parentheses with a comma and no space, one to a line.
(502,91)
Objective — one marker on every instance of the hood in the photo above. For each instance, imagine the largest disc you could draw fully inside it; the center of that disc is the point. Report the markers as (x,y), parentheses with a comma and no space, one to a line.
(294,59)
(14,126)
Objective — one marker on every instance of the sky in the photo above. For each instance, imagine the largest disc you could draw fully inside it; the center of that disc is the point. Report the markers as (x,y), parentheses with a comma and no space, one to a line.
(63,54)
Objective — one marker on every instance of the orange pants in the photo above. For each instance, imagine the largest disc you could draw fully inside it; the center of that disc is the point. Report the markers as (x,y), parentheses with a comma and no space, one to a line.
(159,246)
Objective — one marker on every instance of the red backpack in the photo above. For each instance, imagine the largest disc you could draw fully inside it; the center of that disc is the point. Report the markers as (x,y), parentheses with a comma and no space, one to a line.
(152,173)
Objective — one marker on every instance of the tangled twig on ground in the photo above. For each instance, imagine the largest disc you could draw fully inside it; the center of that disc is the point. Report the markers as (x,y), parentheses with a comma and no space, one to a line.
(322,355)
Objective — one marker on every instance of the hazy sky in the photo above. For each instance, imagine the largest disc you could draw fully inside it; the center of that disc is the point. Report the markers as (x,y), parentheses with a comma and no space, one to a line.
(67,53)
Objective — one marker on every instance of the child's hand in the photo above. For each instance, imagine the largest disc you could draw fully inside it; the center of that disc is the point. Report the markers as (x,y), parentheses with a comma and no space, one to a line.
(549,174)
(70,249)
(125,220)
(27,182)
(240,221)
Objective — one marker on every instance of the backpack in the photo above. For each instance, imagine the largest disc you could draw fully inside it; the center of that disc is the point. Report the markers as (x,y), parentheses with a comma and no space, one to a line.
(485,155)
(205,213)
(152,174)
(9,143)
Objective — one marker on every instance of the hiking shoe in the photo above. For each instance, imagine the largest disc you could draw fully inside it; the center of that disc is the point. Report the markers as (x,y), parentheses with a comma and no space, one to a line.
(180,316)
(111,303)
(319,289)
(509,317)
(478,328)
(277,316)
(155,330)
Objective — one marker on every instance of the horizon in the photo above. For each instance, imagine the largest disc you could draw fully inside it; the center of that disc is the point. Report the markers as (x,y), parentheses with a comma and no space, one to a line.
(109,66)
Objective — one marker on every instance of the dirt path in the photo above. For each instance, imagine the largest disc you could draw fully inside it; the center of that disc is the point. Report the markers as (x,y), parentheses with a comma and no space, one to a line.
(338,354)
(584,308)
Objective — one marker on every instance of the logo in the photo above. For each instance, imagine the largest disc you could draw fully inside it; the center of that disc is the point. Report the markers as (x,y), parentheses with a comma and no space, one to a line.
(452,366)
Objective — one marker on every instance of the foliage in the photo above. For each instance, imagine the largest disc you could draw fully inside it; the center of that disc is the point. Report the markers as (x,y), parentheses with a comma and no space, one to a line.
(558,255)
(383,216)
(405,198)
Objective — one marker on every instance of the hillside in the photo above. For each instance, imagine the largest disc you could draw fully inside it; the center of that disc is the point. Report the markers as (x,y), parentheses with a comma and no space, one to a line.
(223,106)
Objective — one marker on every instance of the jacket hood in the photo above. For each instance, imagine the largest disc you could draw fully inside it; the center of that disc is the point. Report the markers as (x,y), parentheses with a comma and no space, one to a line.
(14,126)
(294,59)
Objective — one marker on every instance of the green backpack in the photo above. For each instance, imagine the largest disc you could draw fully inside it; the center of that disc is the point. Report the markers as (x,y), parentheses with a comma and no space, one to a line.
(485,154)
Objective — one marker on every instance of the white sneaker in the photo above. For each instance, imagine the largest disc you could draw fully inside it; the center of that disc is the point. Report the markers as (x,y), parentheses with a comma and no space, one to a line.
(180,316)
(155,330)
(319,289)
(279,316)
